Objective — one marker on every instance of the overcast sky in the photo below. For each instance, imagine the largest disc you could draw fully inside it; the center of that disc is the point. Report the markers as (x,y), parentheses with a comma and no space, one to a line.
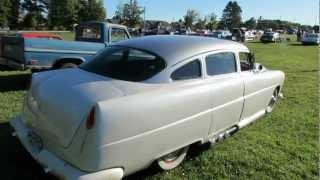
(301,11)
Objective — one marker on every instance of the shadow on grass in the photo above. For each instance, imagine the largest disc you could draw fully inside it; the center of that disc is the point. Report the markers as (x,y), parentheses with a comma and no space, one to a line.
(16,163)
(300,44)
(14,82)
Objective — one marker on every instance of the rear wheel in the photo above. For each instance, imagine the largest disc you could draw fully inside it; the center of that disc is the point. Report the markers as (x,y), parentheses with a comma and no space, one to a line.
(173,159)
(68,65)
(273,101)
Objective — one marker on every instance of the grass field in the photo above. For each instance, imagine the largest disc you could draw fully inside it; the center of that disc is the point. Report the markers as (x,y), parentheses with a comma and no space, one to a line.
(282,145)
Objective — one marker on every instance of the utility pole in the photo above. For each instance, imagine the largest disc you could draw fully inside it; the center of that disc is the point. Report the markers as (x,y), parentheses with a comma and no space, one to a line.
(144,18)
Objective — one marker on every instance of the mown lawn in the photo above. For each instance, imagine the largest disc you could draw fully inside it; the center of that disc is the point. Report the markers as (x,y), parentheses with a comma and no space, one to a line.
(282,145)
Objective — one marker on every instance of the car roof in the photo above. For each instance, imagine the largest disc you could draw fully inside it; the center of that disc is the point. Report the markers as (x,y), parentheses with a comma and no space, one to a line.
(176,48)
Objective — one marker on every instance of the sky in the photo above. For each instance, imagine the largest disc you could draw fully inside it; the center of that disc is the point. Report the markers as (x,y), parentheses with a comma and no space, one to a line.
(300,11)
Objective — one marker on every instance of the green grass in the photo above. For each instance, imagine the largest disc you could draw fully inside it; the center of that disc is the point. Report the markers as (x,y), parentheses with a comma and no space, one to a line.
(67,35)
(282,145)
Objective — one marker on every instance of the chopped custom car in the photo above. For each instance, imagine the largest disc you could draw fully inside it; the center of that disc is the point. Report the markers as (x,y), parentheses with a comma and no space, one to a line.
(43,54)
(141,101)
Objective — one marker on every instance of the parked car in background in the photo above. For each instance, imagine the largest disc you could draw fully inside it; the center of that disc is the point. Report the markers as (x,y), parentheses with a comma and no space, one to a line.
(27,35)
(141,101)
(250,36)
(270,37)
(292,31)
(221,34)
(311,38)
(43,54)
(237,34)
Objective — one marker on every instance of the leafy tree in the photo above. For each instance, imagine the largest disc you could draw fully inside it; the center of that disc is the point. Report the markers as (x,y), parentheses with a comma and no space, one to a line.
(13,19)
(212,22)
(4,12)
(276,24)
(231,16)
(91,10)
(190,18)
(251,23)
(201,23)
(62,14)
(129,13)
(35,12)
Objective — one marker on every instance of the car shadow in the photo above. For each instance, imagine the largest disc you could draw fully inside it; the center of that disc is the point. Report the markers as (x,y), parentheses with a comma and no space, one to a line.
(300,44)
(16,163)
(14,82)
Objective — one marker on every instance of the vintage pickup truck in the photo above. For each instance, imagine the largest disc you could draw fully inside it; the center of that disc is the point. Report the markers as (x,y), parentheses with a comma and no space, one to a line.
(43,54)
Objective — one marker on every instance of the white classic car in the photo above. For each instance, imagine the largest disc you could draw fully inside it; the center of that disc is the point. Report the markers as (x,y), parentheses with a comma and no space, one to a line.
(141,101)
(311,38)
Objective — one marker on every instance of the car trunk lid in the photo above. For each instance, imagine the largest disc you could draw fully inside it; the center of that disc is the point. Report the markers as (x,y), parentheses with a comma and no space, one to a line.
(61,102)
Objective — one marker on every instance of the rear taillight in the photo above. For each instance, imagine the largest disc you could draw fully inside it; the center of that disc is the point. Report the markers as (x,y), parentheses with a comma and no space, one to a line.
(91,119)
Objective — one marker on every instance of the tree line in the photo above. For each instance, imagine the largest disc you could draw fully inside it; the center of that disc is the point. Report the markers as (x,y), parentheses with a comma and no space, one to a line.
(49,14)
(63,14)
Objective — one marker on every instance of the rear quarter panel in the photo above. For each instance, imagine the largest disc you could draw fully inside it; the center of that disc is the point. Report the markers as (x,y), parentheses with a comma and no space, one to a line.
(143,127)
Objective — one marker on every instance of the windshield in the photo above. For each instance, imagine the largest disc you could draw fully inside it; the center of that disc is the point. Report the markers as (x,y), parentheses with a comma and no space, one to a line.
(125,64)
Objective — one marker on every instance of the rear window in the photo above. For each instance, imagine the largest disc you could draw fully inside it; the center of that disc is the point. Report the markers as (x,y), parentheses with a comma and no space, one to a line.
(191,70)
(90,32)
(125,64)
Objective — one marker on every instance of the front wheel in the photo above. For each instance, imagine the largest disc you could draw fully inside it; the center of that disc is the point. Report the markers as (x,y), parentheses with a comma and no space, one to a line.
(273,101)
(173,159)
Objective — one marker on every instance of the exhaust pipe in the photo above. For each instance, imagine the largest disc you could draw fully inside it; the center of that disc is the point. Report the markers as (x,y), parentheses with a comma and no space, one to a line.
(224,135)
(231,131)
(46,170)
(14,134)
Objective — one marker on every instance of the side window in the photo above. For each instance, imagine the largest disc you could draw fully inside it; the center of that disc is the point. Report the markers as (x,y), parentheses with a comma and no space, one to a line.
(191,70)
(244,61)
(221,63)
(118,35)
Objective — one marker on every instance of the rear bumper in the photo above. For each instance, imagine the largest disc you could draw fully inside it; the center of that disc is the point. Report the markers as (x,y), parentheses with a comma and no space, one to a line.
(56,166)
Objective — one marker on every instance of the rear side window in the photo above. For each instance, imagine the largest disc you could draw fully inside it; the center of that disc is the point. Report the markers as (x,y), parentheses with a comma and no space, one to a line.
(118,35)
(221,63)
(125,64)
(191,70)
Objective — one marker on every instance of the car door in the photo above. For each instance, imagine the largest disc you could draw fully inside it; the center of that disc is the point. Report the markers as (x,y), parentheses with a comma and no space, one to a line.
(257,94)
(227,90)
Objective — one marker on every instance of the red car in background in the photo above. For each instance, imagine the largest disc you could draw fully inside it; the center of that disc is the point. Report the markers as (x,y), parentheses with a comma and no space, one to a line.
(40,35)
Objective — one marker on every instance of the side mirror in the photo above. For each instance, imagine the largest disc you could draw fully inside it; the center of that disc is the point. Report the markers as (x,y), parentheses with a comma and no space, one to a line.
(258,67)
